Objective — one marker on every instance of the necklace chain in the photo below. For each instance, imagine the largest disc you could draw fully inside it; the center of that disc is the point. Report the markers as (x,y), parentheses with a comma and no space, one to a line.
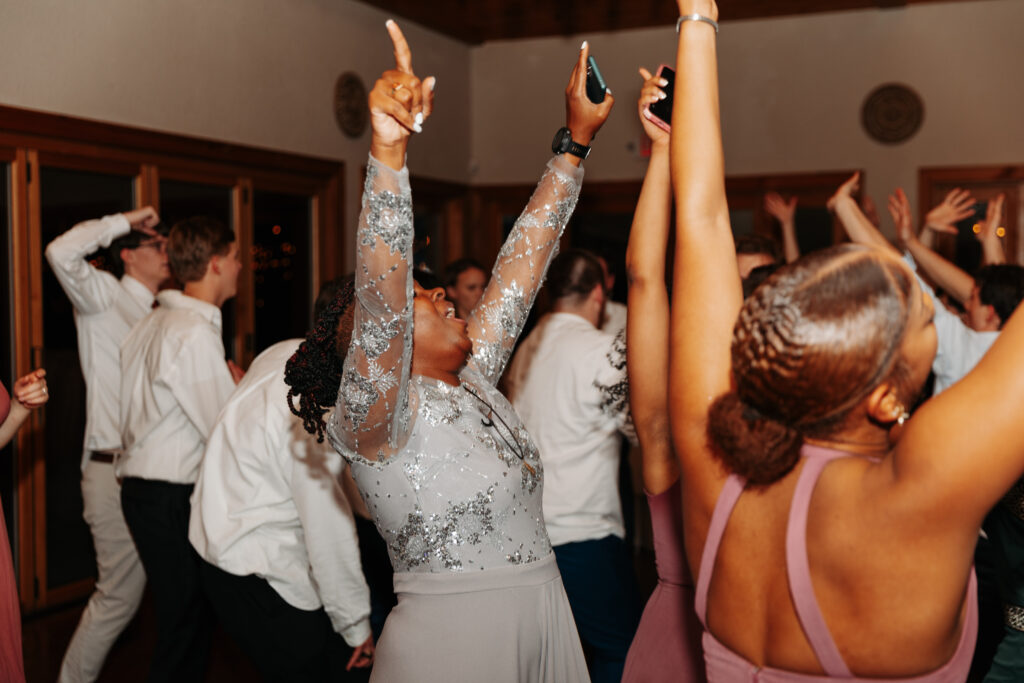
(488,421)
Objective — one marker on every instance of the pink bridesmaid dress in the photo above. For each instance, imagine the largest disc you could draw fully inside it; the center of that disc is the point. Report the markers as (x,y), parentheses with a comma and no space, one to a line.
(667,645)
(12,668)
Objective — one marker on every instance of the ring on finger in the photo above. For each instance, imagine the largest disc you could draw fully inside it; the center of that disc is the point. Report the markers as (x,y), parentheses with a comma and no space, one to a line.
(395,87)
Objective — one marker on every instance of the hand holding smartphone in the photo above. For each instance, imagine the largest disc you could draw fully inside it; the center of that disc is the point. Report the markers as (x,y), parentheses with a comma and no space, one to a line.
(596,86)
(661,111)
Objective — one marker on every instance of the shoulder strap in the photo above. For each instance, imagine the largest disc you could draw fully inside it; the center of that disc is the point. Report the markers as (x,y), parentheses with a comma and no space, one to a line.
(723,508)
(800,587)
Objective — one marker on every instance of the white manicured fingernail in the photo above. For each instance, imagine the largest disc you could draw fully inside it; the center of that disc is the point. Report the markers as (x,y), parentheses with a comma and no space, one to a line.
(583,45)
(389,22)
(433,83)
(418,127)
(419,119)
(608,90)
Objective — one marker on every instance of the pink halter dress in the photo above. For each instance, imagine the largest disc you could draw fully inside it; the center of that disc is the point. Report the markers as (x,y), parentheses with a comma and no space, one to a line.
(11,666)
(725,666)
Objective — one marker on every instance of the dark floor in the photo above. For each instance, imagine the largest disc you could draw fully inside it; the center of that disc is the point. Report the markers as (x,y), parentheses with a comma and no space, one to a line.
(46,636)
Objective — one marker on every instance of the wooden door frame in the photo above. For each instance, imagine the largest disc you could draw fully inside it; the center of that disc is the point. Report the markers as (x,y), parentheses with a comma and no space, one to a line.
(35,138)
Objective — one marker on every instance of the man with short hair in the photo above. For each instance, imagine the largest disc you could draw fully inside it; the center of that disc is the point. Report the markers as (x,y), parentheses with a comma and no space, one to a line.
(464,281)
(106,307)
(174,382)
(568,383)
(274,528)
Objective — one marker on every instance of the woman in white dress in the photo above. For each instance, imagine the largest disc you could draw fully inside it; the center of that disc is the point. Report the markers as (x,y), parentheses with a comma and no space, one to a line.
(449,474)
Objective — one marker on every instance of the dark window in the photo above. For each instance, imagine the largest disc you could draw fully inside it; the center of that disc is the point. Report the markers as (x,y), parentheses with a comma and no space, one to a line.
(281,266)
(68,197)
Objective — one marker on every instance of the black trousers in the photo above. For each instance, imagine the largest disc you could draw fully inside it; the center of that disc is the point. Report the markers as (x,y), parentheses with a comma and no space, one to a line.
(284,642)
(157,514)
(373,553)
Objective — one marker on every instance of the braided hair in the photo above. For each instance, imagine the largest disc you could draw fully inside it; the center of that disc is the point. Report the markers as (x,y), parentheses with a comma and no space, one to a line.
(809,346)
(313,373)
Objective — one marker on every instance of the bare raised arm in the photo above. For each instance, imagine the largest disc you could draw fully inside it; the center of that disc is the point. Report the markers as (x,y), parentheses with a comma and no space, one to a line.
(988,233)
(943,273)
(648,320)
(785,213)
(706,290)
(852,218)
(964,448)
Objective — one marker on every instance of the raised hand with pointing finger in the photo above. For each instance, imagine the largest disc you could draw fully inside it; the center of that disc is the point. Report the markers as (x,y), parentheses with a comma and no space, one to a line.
(399,104)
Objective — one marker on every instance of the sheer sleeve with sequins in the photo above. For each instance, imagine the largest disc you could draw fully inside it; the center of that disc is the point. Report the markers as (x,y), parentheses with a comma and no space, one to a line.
(519,269)
(372,415)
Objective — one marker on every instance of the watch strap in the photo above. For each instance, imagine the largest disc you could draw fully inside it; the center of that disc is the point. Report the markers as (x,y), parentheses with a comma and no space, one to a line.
(578,150)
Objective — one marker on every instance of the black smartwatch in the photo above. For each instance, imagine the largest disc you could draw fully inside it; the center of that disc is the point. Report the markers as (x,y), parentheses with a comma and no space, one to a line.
(563,143)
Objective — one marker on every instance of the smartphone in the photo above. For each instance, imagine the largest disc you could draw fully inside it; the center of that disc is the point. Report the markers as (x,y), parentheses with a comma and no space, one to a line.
(596,86)
(661,111)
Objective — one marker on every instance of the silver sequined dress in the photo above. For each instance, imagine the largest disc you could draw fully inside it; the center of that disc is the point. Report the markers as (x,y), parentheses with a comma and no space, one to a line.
(449,473)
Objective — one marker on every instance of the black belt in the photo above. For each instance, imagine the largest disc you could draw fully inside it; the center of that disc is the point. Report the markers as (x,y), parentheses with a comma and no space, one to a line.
(102,456)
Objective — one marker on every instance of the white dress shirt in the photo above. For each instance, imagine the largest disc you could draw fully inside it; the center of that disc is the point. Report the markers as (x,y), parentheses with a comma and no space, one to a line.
(268,502)
(615,314)
(568,383)
(106,309)
(174,381)
(960,347)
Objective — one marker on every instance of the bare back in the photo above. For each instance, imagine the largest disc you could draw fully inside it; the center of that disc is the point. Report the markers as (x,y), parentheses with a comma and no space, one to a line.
(887,616)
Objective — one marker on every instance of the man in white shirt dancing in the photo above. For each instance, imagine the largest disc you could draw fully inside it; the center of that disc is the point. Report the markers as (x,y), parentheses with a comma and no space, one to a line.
(568,383)
(174,382)
(282,566)
(106,308)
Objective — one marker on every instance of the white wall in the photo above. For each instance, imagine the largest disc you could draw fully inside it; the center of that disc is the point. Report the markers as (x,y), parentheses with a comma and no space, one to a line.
(791,93)
(261,72)
(256,72)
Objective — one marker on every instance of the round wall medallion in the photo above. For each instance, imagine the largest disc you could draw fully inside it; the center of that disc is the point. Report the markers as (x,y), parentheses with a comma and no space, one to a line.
(892,113)
(350,108)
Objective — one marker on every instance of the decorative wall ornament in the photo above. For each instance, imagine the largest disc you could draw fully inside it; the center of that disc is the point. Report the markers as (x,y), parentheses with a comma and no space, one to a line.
(350,108)
(892,113)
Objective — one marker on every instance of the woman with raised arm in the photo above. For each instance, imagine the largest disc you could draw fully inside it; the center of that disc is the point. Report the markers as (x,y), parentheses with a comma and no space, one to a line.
(823,550)
(28,393)
(667,643)
(445,467)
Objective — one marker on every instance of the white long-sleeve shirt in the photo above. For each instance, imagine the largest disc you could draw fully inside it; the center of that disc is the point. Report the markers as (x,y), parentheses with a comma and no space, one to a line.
(568,383)
(268,502)
(174,382)
(960,347)
(106,309)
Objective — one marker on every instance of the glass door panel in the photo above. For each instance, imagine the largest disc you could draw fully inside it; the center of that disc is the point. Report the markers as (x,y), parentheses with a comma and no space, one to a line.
(67,197)
(282,266)
(179,200)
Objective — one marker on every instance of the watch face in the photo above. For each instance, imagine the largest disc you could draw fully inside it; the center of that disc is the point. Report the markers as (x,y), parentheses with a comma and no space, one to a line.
(563,138)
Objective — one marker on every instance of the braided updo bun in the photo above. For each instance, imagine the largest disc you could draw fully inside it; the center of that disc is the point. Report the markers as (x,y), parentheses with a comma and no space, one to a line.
(809,346)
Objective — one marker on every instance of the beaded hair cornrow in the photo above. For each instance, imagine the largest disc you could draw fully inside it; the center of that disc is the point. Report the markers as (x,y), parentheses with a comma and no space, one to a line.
(313,373)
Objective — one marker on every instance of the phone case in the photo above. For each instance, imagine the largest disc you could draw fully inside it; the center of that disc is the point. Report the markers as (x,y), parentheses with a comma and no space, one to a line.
(652,116)
(596,86)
